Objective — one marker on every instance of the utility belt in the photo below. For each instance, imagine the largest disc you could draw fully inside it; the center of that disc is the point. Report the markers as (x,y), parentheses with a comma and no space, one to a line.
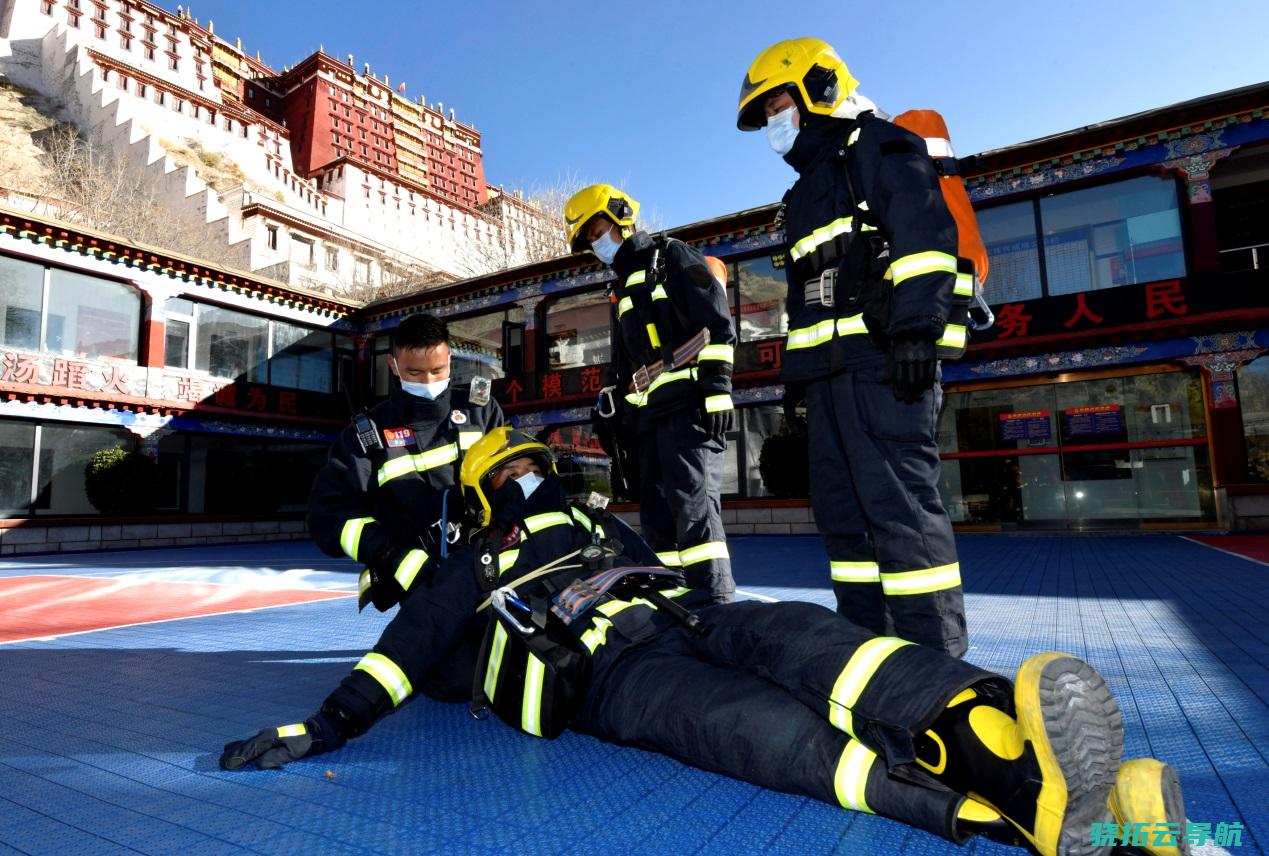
(683,355)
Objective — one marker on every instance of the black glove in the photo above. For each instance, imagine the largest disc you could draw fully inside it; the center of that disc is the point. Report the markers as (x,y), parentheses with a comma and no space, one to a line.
(911,367)
(718,423)
(794,397)
(270,751)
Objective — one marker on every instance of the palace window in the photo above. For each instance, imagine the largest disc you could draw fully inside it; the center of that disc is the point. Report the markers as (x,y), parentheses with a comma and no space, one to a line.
(271,237)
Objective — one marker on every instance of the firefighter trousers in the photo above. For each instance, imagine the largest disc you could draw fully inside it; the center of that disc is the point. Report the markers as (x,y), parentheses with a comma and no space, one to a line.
(791,697)
(680,513)
(874,490)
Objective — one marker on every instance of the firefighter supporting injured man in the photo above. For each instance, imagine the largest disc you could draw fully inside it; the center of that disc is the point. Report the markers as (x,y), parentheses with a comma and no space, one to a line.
(585,630)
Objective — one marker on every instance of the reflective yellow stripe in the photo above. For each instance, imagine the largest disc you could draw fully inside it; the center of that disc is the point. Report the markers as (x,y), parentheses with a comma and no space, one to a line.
(850,781)
(639,399)
(964,285)
(597,634)
(612,607)
(675,592)
(506,560)
(822,235)
(954,336)
(409,568)
(495,661)
(624,305)
(364,582)
(658,293)
(531,701)
(855,572)
(637,278)
(292,730)
(350,536)
(652,335)
(389,676)
(809,337)
(924,581)
(722,353)
(704,552)
(581,518)
(718,403)
(854,136)
(538,522)
(421,462)
(918,264)
(852,325)
(467,438)
(863,664)
(670,558)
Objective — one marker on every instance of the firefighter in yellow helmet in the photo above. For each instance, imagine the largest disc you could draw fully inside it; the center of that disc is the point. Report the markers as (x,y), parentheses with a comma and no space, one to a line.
(871,266)
(586,633)
(670,382)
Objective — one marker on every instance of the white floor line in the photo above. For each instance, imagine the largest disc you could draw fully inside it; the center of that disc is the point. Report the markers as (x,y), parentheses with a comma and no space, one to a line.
(1226,552)
(762,597)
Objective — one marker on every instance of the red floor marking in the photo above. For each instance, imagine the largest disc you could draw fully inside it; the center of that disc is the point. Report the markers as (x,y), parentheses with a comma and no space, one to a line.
(37,606)
(1252,546)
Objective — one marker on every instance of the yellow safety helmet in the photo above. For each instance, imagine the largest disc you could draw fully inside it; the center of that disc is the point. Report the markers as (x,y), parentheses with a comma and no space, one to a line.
(488,454)
(591,201)
(809,66)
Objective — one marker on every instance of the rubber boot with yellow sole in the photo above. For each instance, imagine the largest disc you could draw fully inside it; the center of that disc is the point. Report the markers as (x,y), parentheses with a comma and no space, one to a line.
(1047,769)
(1147,794)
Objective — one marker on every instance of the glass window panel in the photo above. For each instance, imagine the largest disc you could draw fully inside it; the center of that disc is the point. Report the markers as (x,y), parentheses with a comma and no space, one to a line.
(64,453)
(1253,397)
(477,344)
(301,357)
(995,419)
(231,344)
(17,451)
(92,317)
(176,344)
(179,306)
(577,331)
(763,290)
(21,297)
(1014,265)
(172,460)
(382,372)
(280,474)
(759,424)
(583,466)
(1114,234)
(1150,407)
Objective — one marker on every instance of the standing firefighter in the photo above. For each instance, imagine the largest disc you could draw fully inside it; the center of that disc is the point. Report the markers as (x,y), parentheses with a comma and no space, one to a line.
(586,633)
(382,497)
(672,348)
(872,268)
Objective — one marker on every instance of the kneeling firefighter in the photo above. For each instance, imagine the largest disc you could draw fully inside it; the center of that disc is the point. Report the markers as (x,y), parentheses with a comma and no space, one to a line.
(584,631)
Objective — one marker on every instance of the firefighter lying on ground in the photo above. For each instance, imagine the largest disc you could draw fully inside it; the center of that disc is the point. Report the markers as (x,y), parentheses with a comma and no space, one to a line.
(587,632)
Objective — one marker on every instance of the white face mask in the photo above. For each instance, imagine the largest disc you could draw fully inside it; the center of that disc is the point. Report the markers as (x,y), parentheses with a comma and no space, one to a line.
(606,247)
(781,132)
(529,483)
(425,390)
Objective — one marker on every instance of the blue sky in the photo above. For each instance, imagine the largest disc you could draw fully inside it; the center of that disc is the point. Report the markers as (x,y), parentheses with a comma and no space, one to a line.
(643,94)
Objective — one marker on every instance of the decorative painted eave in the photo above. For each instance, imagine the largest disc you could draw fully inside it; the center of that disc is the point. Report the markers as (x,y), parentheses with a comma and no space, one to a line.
(73,238)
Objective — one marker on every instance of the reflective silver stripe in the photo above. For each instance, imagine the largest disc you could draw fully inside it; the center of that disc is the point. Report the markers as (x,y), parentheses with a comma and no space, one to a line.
(823,234)
(639,399)
(954,336)
(538,522)
(531,701)
(624,306)
(850,781)
(852,325)
(409,568)
(658,293)
(422,462)
(364,582)
(855,572)
(704,552)
(350,535)
(670,558)
(918,264)
(495,661)
(923,581)
(637,278)
(723,353)
(863,664)
(809,337)
(718,403)
(389,676)
(939,147)
(506,560)
(467,438)
(964,285)
(292,730)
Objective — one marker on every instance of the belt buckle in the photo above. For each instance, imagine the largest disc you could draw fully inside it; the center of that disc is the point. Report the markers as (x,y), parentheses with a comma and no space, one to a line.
(641,379)
(821,289)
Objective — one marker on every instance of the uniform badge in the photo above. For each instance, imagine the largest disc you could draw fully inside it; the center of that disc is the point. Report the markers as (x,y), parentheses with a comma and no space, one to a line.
(458,417)
(398,437)
(480,389)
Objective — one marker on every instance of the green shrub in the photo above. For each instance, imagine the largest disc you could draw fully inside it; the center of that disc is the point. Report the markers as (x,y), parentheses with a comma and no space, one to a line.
(783,462)
(121,482)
